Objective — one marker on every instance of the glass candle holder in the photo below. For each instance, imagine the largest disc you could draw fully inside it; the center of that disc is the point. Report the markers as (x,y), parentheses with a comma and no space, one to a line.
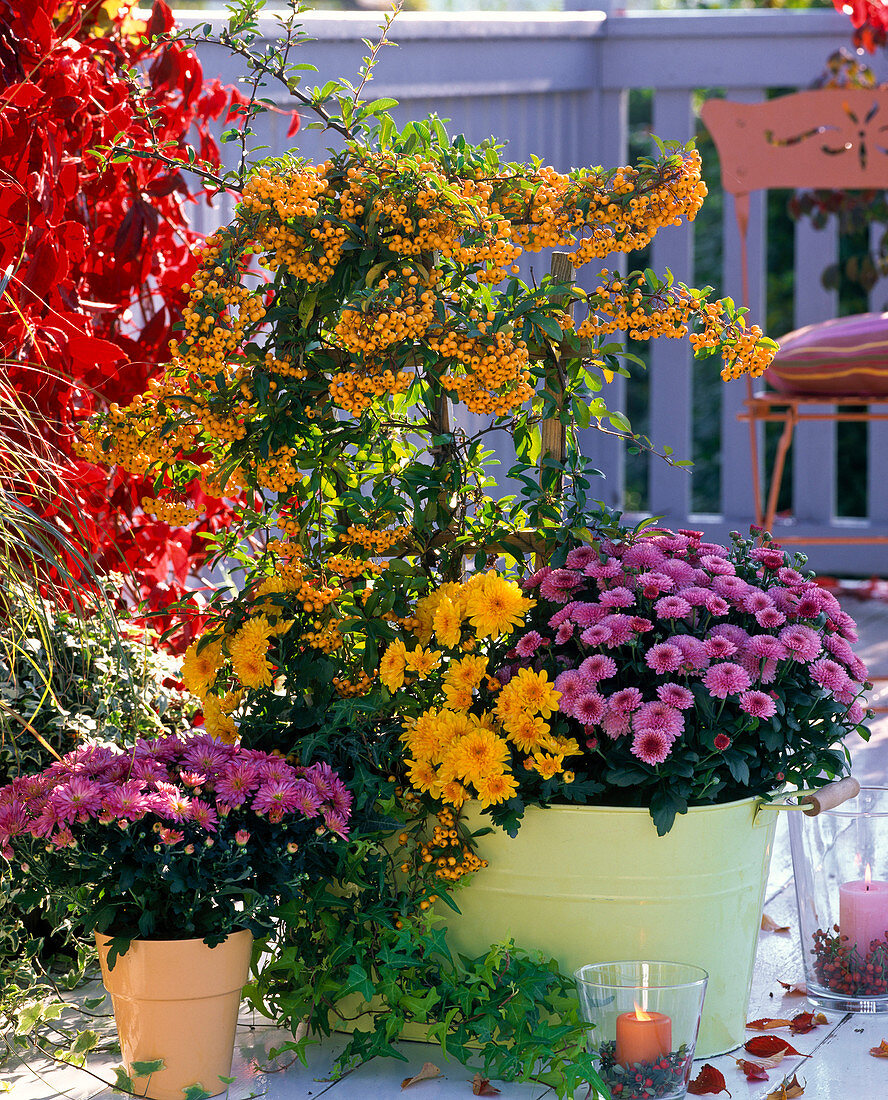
(840,864)
(645,1018)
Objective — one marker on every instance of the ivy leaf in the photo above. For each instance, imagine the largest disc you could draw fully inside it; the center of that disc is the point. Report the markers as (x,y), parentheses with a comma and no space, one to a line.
(143,1069)
(708,1081)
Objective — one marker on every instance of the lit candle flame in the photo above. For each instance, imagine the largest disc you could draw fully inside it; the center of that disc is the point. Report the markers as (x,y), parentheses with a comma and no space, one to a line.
(867,877)
(640,1014)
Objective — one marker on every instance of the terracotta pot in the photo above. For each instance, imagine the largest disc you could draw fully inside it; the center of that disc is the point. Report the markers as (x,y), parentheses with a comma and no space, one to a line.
(178,1000)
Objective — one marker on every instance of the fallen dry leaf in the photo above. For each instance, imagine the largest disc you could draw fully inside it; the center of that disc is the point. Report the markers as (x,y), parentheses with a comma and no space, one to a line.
(754,1071)
(428,1071)
(482,1087)
(787,1089)
(803,1022)
(767,1023)
(708,1081)
(795,989)
(766,1046)
(881,1051)
(770,925)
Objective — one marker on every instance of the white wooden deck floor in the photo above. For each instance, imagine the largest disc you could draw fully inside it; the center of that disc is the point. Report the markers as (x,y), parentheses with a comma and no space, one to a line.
(838,1067)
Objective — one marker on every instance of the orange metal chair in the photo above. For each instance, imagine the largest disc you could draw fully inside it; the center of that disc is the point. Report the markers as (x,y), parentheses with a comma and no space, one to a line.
(830,138)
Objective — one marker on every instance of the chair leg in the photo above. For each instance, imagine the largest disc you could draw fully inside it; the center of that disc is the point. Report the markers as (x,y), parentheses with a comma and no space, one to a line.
(779,463)
(756,473)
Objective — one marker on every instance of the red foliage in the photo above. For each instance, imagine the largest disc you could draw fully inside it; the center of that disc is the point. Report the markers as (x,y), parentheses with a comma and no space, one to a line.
(708,1081)
(870,21)
(93,257)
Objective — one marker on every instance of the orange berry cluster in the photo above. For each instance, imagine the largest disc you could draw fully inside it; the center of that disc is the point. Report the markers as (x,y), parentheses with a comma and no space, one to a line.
(452,858)
(176,512)
(349,688)
(376,542)
(285,367)
(353,567)
(493,374)
(621,307)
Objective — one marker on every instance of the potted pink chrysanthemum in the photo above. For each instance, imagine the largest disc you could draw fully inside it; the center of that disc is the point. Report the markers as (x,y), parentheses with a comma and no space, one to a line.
(176,852)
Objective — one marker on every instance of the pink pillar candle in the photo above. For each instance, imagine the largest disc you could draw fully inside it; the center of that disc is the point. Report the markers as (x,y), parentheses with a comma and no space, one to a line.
(863,913)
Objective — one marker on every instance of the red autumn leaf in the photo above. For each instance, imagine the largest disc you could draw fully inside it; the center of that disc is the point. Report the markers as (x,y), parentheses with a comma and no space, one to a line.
(708,1081)
(294,125)
(794,989)
(763,1046)
(770,925)
(482,1087)
(804,1022)
(881,1051)
(767,1023)
(427,1073)
(754,1070)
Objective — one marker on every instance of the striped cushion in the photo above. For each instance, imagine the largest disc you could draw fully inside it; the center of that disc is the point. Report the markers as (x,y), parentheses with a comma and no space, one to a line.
(848,355)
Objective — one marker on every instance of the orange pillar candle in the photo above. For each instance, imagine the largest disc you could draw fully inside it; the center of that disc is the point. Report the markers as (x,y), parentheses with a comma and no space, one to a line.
(643,1037)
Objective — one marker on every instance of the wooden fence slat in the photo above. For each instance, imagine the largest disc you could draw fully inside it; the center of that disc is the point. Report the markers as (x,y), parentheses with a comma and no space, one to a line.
(814,447)
(671,406)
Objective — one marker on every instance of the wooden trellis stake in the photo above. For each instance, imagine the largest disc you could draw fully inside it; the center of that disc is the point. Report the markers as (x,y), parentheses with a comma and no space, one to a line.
(552,431)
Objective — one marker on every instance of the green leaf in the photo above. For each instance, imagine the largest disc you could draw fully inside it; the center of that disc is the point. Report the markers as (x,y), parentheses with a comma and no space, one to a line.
(145,1069)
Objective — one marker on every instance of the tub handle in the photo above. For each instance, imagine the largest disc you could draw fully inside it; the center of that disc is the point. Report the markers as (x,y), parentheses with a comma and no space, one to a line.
(829,796)
(811,803)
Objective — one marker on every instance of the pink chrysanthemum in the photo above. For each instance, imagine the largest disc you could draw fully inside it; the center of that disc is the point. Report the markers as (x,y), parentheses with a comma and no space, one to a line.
(722,742)
(535,579)
(597,667)
(590,708)
(620,627)
(580,557)
(558,585)
(809,606)
(616,724)
(604,570)
(644,555)
(856,713)
(570,684)
(693,651)
(128,801)
(624,701)
(674,695)
(770,618)
(672,607)
(715,605)
(596,635)
(839,648)
(680,571)
(726,679)
(802,643)
(654,583)
(640,625)
(766,647)
(732,588)
(617,597)
(237,781)
(769,558)
(79,797)
(695,595)
(277,797)
(735,634)
(664,657)
(718,647)
(845,625)
(204,815)
(659,716)
(651,746)
(529,643)
(757,704)
(830,675)
(789,577)
(560,616)
(564,633)
(587,614)
(717,566)
(755,600)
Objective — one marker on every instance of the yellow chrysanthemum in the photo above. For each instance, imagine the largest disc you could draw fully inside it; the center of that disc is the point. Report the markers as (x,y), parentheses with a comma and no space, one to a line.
(457,698)
(423,776)
(392,665)
(547,765)
(535,692)
(422,661)
(199,669)
(427,737)
(498,787)
(510,708)
(216,722)
(230,701)
(495,605)
(477,754)
(248,649)
(454,793)
(566,746)
(447,623)
(527,733)
(427,607)
(466,673)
